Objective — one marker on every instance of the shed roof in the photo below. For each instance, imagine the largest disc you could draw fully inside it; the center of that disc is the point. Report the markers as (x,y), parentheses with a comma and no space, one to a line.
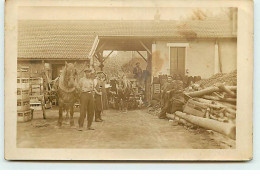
(45,39)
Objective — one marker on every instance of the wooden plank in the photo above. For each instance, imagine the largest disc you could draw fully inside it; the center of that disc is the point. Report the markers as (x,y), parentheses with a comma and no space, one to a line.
(141,56)
(145,47)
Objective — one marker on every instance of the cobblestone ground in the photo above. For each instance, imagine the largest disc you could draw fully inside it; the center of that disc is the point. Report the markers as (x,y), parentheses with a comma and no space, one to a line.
(131,130)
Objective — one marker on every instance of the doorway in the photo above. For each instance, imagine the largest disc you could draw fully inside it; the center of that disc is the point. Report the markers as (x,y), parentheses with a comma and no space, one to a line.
(56,69)
(177,60)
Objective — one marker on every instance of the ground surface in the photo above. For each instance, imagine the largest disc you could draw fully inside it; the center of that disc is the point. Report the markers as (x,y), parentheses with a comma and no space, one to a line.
(132,130)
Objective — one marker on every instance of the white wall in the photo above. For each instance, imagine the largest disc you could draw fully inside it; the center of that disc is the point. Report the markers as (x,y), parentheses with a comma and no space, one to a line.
(228,51)
(199,59)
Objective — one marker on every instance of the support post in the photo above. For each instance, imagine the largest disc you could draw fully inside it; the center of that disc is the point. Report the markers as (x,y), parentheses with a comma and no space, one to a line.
(148,78)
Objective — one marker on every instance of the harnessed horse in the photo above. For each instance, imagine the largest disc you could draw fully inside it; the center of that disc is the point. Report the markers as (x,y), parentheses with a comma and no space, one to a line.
(67,92)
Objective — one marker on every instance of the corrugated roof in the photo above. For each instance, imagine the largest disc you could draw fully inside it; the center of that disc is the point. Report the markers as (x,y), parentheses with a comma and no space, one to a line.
(74,39)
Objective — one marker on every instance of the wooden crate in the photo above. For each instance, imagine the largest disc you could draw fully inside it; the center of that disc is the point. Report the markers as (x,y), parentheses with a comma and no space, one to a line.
(23,104)
(156,88)
(35,99)
(37,80)
(23,83)
(25,116)
(22,93)
(23,72)
(36,106)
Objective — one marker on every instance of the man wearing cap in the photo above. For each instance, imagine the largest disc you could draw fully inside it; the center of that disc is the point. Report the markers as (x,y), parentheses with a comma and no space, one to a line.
(86,87)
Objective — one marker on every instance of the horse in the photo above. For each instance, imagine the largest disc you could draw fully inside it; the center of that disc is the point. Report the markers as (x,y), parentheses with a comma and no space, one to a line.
(67,92)
(123,93)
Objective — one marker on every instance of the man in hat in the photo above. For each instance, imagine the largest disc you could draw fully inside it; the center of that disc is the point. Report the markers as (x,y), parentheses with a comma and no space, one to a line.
(86,87)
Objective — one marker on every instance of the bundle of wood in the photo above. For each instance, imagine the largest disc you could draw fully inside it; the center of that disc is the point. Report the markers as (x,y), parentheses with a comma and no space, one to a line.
(213,108)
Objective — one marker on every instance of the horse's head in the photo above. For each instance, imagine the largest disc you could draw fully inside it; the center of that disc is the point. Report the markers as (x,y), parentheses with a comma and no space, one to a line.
(70,75)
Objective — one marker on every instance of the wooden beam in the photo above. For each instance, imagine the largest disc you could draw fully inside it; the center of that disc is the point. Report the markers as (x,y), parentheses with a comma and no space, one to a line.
(145,47)
(142,56)
(101,47)
(109,54)
(97,57)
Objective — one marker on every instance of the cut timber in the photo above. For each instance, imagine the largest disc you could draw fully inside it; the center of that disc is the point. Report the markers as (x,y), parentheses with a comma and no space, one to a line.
(223,128)
(180,120)
(227,90)
(208,90)
(170,116)
(230,100)
(191,110)
(228,105)
(209,97)
(200,93)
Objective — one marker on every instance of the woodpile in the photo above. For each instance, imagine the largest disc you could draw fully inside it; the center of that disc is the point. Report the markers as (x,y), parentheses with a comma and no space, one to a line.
(212,104)
(218,103)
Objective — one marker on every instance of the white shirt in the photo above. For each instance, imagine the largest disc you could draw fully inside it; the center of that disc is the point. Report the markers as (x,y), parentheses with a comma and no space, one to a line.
(86,84)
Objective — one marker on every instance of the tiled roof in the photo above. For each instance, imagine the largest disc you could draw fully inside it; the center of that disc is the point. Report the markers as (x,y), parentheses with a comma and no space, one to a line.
(74,39)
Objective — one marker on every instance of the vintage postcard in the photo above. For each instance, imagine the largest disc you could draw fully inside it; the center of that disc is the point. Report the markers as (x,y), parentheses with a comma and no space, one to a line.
(128,80)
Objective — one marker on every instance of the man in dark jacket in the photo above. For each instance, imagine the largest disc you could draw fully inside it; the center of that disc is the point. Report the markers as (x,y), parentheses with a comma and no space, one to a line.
(172,96)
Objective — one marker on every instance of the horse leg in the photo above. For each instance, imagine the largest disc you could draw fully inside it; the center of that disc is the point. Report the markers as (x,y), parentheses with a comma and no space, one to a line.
(71,116)
(60,115)
(67,114)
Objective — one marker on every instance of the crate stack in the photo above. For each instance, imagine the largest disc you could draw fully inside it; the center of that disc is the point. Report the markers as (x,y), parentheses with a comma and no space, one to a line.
(24,113)
(36,92)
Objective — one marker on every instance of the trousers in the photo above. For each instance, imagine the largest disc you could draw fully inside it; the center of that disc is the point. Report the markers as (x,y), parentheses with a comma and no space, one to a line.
(98,107)
(86,107)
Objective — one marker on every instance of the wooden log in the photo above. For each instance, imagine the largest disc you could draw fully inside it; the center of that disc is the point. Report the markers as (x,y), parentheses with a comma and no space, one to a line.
(229,115)
(227,90)
(208,103)
(209,97)
(223,128)
(230,110)
(231,100)
(170,116)
(202,105)
(202,92)
(202,100)
(191,110)
(218,119)
(228,105)
(208,90)
(180,120)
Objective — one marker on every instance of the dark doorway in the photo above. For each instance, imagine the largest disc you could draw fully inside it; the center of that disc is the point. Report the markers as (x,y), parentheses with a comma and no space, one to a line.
(56,69)
(177,60)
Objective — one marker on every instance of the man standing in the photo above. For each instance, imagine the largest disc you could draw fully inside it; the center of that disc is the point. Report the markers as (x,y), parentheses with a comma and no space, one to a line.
(138,72)
(98,98)
(86,87)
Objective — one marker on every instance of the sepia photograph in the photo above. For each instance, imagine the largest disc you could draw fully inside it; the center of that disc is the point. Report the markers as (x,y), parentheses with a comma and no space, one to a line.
(127,77)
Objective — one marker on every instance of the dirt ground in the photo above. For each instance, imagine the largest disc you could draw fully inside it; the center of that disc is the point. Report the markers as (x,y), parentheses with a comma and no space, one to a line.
(133,130)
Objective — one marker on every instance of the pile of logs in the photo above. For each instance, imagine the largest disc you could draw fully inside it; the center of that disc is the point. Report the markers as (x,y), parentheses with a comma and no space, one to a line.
(213,108)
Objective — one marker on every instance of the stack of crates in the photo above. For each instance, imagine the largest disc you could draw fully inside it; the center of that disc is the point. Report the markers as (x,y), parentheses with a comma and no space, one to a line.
(36,92)
(24,113)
